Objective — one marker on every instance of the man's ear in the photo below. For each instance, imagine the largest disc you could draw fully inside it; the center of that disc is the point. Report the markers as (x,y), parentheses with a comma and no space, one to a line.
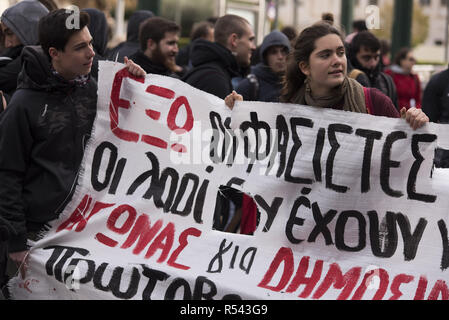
(232,41)
(151,44)
(53,52)
(304,67)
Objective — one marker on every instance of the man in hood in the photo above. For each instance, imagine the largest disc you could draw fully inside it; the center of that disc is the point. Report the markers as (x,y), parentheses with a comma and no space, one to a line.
(264,83)
(365,59)
(131,45)
(19,24)
(216,63)
(45,127)
(98,28)
(158,46)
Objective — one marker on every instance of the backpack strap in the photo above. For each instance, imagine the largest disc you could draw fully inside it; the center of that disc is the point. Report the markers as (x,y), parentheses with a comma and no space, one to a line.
(355,73)
(368,101)
(254,87)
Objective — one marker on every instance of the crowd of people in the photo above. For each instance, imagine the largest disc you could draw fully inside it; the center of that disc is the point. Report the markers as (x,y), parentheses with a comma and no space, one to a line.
(48,95)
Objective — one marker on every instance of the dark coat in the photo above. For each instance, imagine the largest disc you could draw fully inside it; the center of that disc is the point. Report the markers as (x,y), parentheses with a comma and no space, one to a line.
(10,67)
(213,68)
(23,19)
(43,133)
(268,86)
(435,105)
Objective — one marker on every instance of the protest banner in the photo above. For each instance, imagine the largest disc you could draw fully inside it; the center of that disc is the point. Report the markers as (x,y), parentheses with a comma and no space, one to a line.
(348,208)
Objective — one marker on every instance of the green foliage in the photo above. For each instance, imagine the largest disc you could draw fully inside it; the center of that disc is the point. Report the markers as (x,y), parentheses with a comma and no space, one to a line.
(192,11)
(420,24)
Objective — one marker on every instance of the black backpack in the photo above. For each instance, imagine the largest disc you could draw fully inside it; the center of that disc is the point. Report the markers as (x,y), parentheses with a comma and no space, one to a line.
(253,87)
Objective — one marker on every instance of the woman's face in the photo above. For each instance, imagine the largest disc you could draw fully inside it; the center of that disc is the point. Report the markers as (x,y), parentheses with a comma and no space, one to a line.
(326,68)
(408,62)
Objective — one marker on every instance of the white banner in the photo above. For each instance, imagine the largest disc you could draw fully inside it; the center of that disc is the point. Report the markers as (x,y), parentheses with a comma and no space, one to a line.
(348,207)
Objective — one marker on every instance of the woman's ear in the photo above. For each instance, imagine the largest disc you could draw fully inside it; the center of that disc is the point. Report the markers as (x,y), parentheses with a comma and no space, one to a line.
(304,67)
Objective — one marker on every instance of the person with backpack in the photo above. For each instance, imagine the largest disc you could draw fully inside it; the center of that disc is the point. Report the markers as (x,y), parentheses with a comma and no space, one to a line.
(264,83)
(365,59)
(317,76)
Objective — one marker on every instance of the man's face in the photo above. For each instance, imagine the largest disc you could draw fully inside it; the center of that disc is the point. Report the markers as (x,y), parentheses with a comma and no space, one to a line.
(11,40)
(245,47)
(166,50)
(367,58)
(276,58)
(77,57)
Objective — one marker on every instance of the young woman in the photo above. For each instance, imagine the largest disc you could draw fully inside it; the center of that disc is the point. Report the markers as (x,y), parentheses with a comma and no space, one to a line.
(407,83)
(316,76)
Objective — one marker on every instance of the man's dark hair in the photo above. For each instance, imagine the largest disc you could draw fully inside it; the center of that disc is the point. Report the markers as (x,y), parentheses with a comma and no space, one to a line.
(227,25)
(364,39)
(154,28)
(212,20)
(201,30)
(359,25)
(53,31)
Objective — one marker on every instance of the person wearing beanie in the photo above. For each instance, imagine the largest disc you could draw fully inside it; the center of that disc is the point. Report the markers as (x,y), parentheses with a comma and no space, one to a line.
(19,24)
(264,83)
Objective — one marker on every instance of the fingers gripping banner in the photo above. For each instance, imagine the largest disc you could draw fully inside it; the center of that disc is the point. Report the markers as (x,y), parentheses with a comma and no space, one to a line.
(347,207)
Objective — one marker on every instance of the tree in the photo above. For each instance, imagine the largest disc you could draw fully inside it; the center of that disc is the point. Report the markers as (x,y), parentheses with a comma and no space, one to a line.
(191,12)
(420,24)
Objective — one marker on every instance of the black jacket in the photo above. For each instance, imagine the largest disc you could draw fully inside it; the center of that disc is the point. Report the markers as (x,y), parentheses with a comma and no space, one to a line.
(43,133)
(23,20)
(142,60)
(435,103)
(213,68)
(10,69)
(266,86)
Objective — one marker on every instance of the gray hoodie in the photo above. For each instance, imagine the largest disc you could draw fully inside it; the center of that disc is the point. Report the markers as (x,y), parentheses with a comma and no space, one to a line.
(23,19)
(274,38)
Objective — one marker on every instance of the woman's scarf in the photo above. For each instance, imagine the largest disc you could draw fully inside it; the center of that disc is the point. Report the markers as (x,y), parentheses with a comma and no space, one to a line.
(351,92)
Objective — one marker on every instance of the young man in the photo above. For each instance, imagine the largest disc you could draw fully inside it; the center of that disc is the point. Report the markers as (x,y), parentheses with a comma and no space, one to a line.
(45,128)
(364,57)
(216,63)
(264,83)
(19,25)
(158,46)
